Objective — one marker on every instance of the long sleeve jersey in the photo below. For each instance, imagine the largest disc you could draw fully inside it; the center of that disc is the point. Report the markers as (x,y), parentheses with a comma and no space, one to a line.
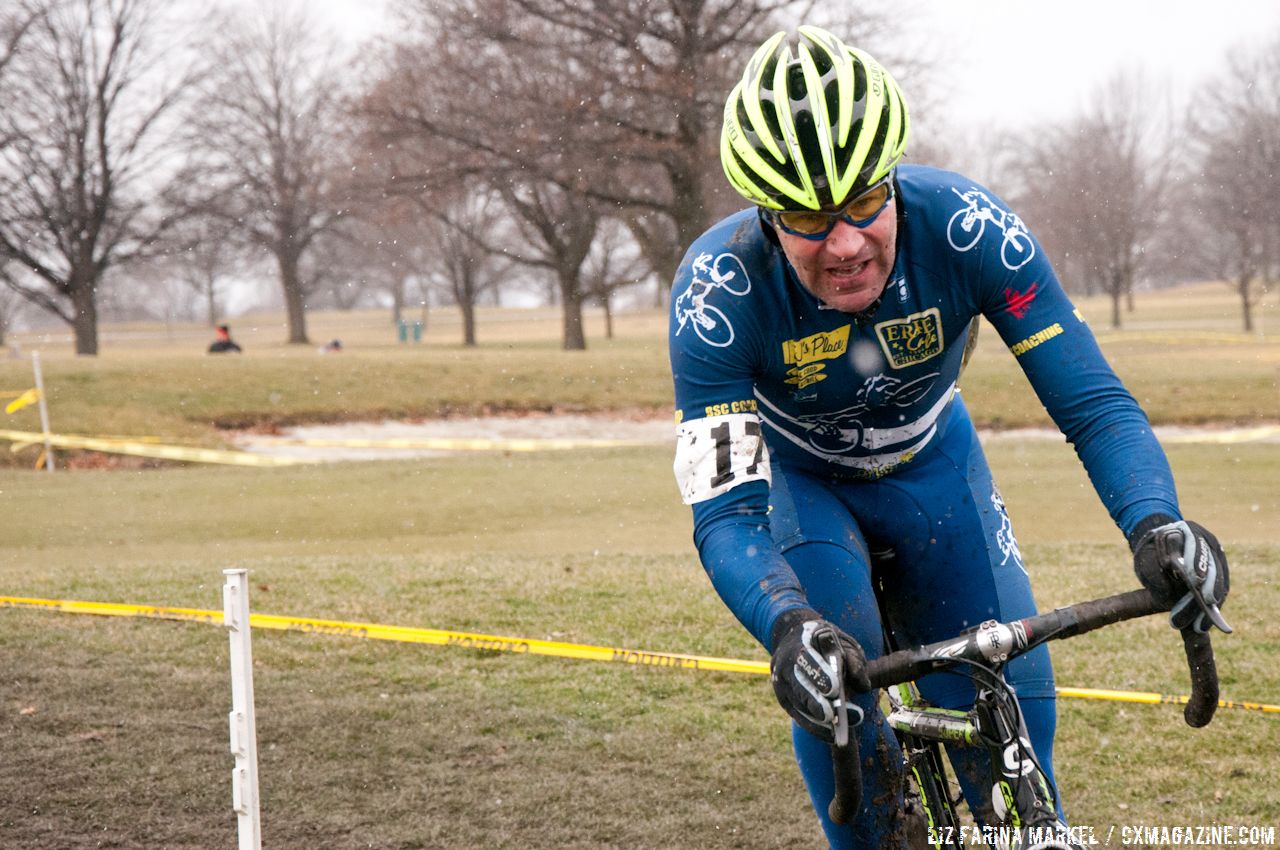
(766,373)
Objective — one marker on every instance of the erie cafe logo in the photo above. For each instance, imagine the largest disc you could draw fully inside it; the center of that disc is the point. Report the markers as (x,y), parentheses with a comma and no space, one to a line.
(913,339)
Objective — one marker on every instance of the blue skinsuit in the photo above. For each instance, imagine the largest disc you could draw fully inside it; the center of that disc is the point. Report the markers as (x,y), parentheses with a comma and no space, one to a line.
(807,442)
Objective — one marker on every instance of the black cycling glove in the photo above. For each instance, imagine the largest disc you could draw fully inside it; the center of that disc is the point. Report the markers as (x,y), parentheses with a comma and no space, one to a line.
(807,653)
(1184,567)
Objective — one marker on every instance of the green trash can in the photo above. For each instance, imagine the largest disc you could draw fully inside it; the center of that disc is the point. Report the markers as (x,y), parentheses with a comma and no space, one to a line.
(402,328)
(417,331)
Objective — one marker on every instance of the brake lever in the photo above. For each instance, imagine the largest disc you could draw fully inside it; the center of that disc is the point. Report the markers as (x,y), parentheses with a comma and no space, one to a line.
(840,703)
(1192,573)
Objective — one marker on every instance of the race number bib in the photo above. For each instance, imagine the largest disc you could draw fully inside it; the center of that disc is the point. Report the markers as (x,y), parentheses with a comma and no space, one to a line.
(716,454)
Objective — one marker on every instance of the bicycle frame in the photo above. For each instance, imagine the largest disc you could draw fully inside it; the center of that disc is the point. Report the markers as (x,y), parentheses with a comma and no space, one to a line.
(1025,799)
(930,808)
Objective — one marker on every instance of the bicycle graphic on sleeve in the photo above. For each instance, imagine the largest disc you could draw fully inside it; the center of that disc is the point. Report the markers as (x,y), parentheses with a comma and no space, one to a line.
(970,221)
(709,322)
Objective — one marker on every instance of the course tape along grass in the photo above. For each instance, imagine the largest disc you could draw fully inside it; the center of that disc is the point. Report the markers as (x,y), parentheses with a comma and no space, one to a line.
(403,634)
(143,448)
(152,447)
(527,646)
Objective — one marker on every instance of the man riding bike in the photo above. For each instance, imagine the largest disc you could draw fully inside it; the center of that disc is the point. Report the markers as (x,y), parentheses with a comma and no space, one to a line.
(854,295)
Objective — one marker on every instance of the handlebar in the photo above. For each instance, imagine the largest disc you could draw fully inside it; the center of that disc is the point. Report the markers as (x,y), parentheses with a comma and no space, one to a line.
(993,642)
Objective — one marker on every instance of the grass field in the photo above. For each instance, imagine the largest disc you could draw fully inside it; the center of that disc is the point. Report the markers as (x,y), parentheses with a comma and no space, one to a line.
(114,731)
(1181,359)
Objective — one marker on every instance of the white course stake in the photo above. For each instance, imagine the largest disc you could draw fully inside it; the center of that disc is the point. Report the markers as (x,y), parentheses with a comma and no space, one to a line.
(44,410)
(244,737)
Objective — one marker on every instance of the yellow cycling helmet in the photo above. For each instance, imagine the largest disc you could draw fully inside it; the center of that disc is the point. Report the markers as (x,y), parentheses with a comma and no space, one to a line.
(808,129)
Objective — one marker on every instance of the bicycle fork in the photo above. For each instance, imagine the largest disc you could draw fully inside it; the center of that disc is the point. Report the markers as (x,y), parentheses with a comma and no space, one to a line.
(1021,796)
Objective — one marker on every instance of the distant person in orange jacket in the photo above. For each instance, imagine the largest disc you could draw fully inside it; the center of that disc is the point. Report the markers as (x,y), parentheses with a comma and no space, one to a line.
(224,343)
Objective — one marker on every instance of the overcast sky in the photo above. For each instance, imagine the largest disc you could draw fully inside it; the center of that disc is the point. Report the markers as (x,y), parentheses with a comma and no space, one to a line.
(1025,61)
(1016,61)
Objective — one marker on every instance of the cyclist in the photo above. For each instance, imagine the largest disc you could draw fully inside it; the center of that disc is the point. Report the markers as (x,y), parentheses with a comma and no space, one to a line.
(831,429)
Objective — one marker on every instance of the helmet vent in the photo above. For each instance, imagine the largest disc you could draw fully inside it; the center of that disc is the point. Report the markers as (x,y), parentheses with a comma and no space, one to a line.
(796,89)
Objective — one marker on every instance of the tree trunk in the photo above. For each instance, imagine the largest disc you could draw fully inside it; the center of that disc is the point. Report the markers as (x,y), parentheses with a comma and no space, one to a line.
(571,299)
(468,308)
(211,303)
(608,316)
(397,299)
(1246,304)
(85,321)
(1117,294)
(294,300)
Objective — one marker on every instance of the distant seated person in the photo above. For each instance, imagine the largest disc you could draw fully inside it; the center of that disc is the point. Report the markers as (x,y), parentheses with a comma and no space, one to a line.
(331,347)
(224,343)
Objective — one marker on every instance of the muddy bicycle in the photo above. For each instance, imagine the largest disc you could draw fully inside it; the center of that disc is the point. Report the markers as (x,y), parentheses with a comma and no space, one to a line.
(1023,800)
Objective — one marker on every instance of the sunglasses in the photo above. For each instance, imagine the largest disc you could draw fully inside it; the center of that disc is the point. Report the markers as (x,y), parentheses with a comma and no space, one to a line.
(816,225)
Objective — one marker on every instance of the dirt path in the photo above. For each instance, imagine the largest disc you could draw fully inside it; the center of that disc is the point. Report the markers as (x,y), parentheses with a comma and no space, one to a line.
(388,440)
(444,436)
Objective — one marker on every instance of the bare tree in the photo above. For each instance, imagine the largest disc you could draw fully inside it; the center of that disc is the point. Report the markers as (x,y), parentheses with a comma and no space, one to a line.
(1096,186)
(617,100)
(558,230)
(15,22)
(265,137)
(465,267)
(1235,126)
(83,121)
(202,253)
(396,245)
(612,266)
(11,305)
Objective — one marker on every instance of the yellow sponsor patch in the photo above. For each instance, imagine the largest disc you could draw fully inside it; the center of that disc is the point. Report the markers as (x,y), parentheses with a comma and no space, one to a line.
(803,355)
(747,405)
(913,339)
(1040,336)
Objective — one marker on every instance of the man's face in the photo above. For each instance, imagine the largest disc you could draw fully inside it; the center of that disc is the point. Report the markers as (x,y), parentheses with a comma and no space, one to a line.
(848,270)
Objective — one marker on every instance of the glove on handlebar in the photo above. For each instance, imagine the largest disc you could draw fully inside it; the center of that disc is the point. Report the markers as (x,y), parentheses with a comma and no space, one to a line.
(1184,567)
(803,674)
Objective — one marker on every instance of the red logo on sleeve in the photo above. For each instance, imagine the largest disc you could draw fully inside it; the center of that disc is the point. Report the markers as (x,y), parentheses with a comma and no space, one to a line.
(1018,303)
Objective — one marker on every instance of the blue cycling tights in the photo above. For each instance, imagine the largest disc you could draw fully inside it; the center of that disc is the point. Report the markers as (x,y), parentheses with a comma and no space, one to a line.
(954,563)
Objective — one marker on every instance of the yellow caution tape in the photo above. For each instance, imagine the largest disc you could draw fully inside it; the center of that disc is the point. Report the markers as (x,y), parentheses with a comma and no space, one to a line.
(528,646)
(1157,699)
(450,444)
(403,634)
(142,449)
(31,396)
